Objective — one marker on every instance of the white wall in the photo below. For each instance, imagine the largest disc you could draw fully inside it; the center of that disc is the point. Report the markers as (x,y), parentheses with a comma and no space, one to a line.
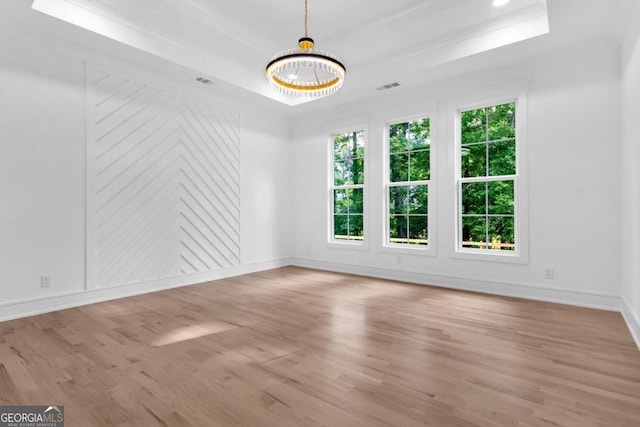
(574,203)
(41,167)
(42,173)
(631,175)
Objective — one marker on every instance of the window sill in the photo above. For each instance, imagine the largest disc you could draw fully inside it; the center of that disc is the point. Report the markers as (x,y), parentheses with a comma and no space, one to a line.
(348,244)
(480,255)
(409,250)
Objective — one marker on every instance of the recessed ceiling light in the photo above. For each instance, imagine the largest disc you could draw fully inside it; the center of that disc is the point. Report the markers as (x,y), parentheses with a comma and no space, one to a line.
(498,3)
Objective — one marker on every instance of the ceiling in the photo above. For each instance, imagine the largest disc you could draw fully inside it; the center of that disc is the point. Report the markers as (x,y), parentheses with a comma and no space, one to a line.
(380,41)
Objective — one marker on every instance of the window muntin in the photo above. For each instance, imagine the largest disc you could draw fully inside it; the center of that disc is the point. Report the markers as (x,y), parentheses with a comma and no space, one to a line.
(409,157)
(488,179)
(347,186)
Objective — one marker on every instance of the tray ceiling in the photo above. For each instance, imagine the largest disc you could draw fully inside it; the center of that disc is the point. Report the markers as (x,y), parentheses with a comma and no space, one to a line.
(380,41)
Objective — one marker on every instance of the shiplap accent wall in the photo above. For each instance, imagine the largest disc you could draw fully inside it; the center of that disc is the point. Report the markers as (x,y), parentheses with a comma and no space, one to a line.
(163,182)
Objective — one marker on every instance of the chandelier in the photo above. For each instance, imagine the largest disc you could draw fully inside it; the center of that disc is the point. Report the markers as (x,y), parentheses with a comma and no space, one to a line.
(305,70)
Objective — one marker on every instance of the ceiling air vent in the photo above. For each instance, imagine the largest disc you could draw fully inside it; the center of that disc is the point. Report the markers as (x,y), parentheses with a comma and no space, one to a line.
(388,86)
(204,81)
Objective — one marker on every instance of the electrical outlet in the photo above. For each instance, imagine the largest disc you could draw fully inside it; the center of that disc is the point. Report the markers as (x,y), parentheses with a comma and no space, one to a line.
(45,281)
(548,273)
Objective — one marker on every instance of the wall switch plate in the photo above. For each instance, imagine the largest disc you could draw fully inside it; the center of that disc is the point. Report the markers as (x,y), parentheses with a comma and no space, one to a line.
(45,281)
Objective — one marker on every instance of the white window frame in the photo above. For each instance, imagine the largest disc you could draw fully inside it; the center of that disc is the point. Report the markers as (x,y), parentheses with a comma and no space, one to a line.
(430,248)
(343,243)
(518,94)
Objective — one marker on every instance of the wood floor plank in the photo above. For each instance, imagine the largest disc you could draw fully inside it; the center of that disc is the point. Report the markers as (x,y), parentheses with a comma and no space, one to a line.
(299,347)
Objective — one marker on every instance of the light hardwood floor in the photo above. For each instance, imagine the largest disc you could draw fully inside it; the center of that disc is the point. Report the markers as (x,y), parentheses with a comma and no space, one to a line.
(298,347)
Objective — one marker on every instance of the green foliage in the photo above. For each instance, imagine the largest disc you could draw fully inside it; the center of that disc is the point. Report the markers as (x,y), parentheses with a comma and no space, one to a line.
(488,148)
(474,198)
(473,124)
(500,201)
(501,230)
(474,160)
(474,229)
(492,197)
(348,227)
(502,158)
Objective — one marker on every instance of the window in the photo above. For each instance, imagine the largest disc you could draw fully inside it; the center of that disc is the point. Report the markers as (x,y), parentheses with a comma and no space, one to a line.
(347,187)
(409,166)
(488,180)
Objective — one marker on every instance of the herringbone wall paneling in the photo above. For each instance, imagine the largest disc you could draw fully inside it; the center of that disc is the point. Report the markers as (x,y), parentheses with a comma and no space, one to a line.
(163,183)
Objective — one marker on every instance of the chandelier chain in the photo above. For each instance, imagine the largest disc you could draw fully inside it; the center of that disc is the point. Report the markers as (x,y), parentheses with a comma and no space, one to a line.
(305,18)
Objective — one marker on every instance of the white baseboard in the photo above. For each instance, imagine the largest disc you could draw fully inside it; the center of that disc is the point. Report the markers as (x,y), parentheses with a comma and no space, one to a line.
(576,297)
(632,322)
(33,306)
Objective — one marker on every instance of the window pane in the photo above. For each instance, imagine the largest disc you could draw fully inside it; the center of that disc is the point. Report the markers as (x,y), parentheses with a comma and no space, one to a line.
(398,228)
(502,158)
(501,233)
(398,200)
(419,136)
(473,160)
(341,170)
(420,165)
(357,171)
(501,197)
(417,200)
(502,121)
(399,167)
(340,226)
(340,202)
(356,200)
(474,198)
(398,138)
(350,144)
(349,201)
(342,145)
(474,232)
(473,126)
(418,229)
(348,157)
(356,228)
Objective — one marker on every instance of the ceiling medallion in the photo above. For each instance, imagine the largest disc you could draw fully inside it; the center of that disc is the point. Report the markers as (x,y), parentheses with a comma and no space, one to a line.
(305,70)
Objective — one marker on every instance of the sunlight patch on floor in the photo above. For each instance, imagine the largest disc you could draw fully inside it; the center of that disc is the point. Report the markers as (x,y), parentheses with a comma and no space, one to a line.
(192,332)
